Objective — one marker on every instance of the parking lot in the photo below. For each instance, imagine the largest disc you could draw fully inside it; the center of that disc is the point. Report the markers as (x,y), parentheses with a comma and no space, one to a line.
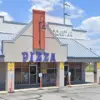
(74,93)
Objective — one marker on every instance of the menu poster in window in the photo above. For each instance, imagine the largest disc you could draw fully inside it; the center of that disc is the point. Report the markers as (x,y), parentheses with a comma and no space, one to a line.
(44,70)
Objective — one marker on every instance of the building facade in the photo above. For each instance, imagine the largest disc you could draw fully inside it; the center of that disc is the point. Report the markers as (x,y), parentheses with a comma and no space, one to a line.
(38,47)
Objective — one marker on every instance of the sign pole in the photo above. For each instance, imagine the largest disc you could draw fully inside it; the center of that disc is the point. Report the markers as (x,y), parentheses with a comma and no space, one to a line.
(40,82)
(69,79)
(40,75)
(11,87)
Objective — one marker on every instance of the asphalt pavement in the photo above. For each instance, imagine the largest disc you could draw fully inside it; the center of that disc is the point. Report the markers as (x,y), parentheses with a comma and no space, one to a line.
(74,93)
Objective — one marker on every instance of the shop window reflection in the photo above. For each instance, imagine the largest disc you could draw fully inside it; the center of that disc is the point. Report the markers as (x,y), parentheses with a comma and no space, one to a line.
(18,75)
(21,73)
(72,70)
(49,74)
(25,75)
(75,73)
(48,70)
(78,74)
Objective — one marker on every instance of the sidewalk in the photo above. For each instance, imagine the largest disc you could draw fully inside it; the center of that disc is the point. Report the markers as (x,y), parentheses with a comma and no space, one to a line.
(80,86)
(53,89)
(86,85)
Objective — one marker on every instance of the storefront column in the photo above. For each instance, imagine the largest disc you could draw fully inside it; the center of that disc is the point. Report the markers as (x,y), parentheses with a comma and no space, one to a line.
(10,77)
(98,75)
(95,72)
(83,72)
(60,74)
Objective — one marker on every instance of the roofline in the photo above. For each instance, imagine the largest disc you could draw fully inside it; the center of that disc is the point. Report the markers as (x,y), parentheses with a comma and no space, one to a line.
(87,48)
(19,33)
(83,57)
(25,28)
(79,30)
(2,56)
(2,17)
(8,33)
(59,24)
(12,22)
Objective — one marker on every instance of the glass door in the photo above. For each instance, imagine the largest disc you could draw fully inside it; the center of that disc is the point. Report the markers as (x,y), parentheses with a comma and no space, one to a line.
(33,74)
(66,70)
(78,73)
(72,70)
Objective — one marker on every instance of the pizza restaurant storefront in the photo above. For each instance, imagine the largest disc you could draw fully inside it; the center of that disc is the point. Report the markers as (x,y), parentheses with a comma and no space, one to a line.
(33,55)
(28,74)
(25,74)
(34,51)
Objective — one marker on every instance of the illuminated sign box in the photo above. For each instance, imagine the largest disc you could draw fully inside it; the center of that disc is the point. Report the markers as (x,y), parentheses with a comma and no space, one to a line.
(38,57)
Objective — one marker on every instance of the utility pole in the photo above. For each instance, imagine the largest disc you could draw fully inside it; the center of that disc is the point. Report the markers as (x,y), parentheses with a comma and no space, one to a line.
(64,8)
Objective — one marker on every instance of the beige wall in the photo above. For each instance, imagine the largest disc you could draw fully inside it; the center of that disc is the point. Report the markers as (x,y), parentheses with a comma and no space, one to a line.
(13,50)
(2,72)
(10,27)
(53,46)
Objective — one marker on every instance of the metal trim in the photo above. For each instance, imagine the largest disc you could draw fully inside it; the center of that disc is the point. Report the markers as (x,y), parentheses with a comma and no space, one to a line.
(34,74)
(59,24)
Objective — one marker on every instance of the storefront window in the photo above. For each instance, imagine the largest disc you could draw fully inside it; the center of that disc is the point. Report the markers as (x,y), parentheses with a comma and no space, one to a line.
(72,70)
(75,69)
(65,74)
(21,73)
(49,74)
(78,74)
(18,75)
(25,75)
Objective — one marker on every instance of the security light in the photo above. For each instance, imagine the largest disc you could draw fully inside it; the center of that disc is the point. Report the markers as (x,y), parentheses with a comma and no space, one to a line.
(43,27)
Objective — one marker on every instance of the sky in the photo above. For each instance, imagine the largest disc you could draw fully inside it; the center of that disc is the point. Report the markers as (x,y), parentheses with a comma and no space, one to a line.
(84,14)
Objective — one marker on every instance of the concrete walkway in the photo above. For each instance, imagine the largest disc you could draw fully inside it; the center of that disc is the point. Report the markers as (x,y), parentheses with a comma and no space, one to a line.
(74,93)
(44,89)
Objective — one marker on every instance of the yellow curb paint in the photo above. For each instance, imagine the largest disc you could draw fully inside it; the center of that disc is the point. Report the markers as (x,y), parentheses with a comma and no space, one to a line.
(3,92)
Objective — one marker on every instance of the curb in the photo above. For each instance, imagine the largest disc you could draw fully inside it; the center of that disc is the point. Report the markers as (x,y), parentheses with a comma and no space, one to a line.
(83,85)
(38,90)
(52,89)
(3,92)
(35,90)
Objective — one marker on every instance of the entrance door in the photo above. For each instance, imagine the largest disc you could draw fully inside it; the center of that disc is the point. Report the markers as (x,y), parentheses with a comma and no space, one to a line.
(33,74)
(66,70)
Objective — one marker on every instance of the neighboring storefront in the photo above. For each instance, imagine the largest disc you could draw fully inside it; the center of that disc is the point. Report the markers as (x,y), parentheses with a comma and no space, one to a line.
(37,49)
